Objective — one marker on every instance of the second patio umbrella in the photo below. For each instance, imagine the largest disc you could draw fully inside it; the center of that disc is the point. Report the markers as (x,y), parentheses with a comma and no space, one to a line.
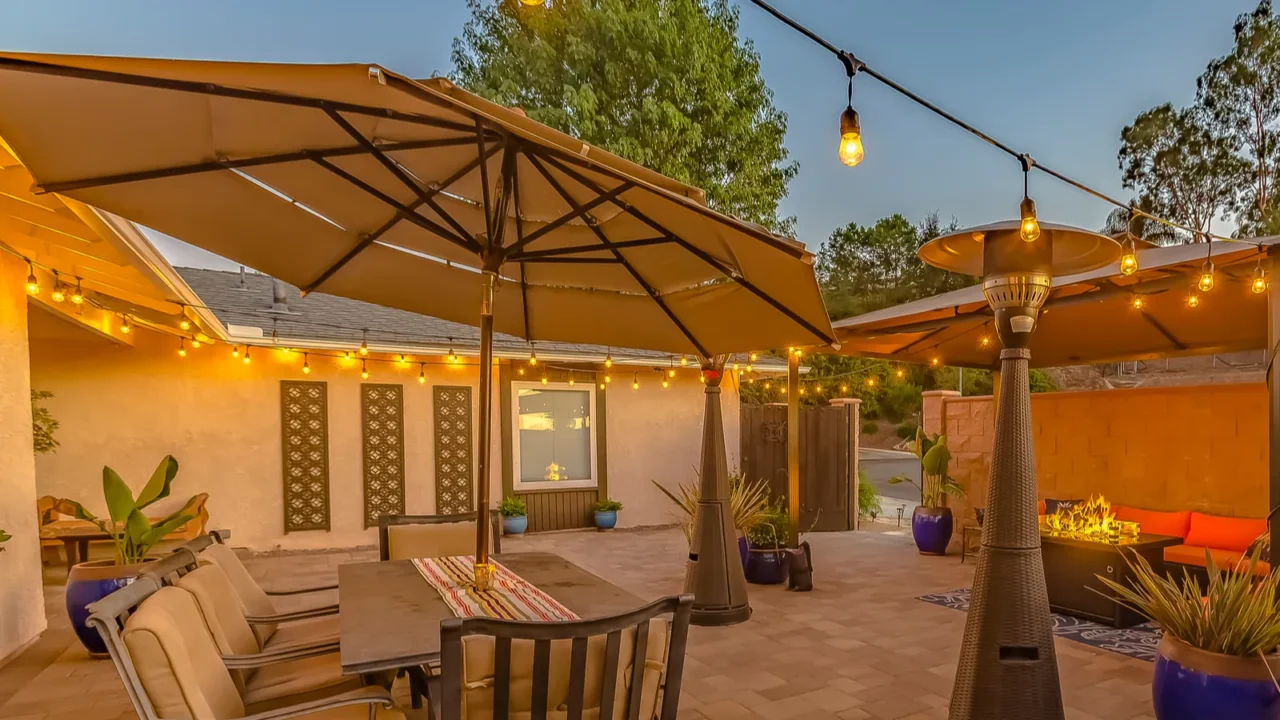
(416,195)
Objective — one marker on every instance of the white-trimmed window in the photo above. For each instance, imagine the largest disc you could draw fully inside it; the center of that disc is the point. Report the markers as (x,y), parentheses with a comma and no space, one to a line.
(553,435)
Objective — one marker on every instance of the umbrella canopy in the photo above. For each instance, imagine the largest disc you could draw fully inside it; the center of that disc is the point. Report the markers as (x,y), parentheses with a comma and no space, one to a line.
(1089,317)
(359,182)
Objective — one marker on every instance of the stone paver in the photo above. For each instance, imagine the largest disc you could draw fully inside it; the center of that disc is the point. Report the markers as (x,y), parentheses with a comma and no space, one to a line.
(859,647)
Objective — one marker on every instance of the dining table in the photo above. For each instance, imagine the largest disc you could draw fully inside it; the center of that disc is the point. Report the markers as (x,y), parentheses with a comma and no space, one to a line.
(389,615)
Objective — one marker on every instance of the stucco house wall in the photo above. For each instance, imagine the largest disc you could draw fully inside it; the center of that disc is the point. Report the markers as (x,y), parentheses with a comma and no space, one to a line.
(129,406)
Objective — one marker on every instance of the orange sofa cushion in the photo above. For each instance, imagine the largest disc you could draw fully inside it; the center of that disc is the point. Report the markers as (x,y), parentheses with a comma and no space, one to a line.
(1224,559)
(1040,507)
(1173,524)
(1224,533)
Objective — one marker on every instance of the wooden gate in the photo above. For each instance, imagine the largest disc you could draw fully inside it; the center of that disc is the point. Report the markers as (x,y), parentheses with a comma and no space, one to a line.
(824,460)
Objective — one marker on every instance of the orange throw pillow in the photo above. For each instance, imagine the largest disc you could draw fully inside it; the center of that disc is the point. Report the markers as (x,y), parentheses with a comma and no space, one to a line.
(1174,524)
(1224,533)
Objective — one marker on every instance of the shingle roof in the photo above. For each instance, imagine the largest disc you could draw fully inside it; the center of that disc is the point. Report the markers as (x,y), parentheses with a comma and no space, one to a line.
(329,318)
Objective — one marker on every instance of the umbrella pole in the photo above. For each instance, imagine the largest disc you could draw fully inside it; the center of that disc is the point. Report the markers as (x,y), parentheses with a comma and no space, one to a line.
(484,569)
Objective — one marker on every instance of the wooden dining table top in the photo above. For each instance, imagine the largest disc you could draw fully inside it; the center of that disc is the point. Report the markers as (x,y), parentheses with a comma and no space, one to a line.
(389,615)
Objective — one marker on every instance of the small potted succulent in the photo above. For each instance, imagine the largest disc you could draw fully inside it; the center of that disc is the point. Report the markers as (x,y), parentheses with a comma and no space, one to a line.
(607,513)
(515,515)
(1218,654)
(766,558)
(932,522)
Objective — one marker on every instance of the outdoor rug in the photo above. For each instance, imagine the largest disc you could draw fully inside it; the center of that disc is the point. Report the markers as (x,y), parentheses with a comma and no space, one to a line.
(1139,641)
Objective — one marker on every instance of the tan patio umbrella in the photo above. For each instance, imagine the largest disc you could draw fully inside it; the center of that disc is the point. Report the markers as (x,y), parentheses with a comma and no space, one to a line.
(415,195)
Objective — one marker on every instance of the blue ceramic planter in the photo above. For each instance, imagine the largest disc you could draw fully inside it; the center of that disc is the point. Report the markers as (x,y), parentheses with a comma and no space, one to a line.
(743,547)
(931,528)
(88,583)
(1192,684)
(515,525)
(765,567)
(606,519)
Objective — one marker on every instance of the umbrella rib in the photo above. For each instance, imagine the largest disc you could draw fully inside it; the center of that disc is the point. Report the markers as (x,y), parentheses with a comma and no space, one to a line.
(484,185)
(396,170)
(207,88)
(653,294)
(570,216)
(1173,340)
(504,198)
(535,255)
(702,255)
(403,210)
(196,168)
(524,284)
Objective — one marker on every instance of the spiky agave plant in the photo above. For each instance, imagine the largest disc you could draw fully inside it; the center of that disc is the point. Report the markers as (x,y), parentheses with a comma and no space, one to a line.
(746,499)
(1235,614)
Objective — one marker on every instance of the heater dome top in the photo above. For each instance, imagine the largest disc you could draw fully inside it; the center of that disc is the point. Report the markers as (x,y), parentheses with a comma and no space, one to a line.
(1075,250)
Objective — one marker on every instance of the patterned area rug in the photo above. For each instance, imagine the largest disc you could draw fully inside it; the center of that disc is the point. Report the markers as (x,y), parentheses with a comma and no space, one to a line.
(1139,641)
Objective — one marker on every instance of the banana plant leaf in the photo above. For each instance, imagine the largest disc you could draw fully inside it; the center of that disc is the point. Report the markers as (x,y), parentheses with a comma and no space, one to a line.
(157,488)
(120,504)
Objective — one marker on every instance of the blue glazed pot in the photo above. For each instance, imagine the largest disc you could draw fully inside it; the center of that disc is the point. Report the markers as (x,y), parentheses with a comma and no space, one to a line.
(1190,684)
(765,567)
(931,528)
(606,519)
(515,525)
(743,547)
(88,583)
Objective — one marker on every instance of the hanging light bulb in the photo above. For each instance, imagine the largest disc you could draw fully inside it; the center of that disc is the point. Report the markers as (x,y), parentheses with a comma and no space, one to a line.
(1129,260)
(753,357)
(1259,283)
(533,356)
(246,355)
(185,324)
(935,362)
(851,151)
(235,351)
(59,294)
(195,343)
(684,361)
(544,379)
(182,347)
(364,370)
(125,327)
(601,386)
(347,354)
(1029,230)
(802,391)
(1193,300)
(77,295)
(520,371)
(985,342)
(768,386)
(665,384)
(1137,302)
(735,366)
(422,374)
(748,368)
(901,372)
(608,360)
(571,381)
(306,364)
(608,378)
(871,382)
(635,382)
(844,388)
(33,285)
(453,356)
(1205,283)
(671,372)
(364,343)
(784,389)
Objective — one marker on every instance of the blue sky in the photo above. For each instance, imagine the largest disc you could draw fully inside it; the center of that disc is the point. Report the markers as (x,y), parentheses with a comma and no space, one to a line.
(1056,79)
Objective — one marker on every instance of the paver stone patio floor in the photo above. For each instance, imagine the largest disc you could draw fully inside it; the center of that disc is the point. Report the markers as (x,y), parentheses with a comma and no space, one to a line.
(859,646)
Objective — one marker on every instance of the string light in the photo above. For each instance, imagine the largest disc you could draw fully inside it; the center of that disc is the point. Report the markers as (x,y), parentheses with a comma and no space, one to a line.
(235,351)
(1129,260)
(901,373)
(185,324)
(364,342)
(608,360)
(802,392)
(601,385)
(347,354)
(1029,230)
(671,372)
(544,379)
(533,355)
(871,382)
(608,378)
(851,151)
(195,343)
(684,361)
(748,367)
(665,384)
(985,342)
(768,386)
(306,364)
(59,294)
(520,371)
(453,356)
(1137,302)
(33,285)
(1205,283)
(77,295)
(735,366)
(246,355)
(935,362)
(125,327)
(1259,284)
(571,379)
(635,382)
(753,357)
(364,370)
(844,388)
(1193,300)
(182,347)
(422,374)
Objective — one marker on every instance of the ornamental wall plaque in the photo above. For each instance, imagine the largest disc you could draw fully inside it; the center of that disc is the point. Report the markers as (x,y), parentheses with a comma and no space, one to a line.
(382,428)
(304,420)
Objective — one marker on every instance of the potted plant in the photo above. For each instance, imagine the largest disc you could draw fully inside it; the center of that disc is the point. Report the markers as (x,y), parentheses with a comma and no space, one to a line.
(515,515)
(607,513)
(1217,657)
(746,499)
(931,522)
(766,558)
(133,535)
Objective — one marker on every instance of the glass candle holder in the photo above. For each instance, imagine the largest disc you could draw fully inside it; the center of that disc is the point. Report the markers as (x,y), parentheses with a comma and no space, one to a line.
(484,576)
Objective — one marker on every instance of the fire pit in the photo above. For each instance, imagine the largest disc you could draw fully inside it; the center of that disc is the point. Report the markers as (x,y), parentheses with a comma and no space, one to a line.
(1085,541)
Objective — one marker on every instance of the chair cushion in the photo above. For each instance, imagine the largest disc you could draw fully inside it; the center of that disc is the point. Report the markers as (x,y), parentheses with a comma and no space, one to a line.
(354,712)
(1225,559)
(222,610)
(429,540)
(1173,524)
(316,630)
(1040,506)
(295,677)
(478,657)
(1052,506)
(177,662)
(1224,533)
(253,599)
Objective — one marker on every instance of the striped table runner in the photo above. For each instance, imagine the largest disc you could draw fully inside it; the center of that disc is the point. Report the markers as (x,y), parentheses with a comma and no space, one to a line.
(510,598)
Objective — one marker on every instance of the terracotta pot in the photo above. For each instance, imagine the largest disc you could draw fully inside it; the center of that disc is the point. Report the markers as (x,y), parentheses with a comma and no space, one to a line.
(1190,684)
(88,583)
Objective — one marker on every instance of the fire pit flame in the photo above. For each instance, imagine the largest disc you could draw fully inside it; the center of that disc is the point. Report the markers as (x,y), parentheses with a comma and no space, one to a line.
(1091,520)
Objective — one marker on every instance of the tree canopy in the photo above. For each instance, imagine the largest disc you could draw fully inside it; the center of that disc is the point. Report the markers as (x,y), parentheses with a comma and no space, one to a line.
(664,83)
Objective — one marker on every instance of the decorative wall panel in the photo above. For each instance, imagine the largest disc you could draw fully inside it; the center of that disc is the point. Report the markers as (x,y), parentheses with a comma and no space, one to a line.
(453,450)
(304,416)
(382,426)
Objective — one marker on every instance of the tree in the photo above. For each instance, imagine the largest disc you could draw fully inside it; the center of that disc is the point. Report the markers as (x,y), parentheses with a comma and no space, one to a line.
(1179,167)
(43,424)
(1123,220)
(664,83)
(1241,92)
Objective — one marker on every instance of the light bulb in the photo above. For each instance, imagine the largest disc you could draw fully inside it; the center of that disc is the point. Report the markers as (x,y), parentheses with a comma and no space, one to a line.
(871,382)
(571,380)
(544,379)
(1137,302)
(453,356)
(306,365)
(665,384)
(844,388)
(195,344)
(671,373)
(818,388)
(1030,228)
(608,360)
(735,366)
(901,373)
(601,386)
(58,295)
(124,325)
(802,391)
(1193,300)
(364,348)
(33,285)
(1128,262)
(985,342)
(364,370)
(703,379)
(533,357)
(77,295)
(635,382)
(608,378)
(184,324)
(246,355)
(520,371)
(768,386)
(748,368)
(684,361)
(1259,284)
(422,375)
(182,347)
(235,351)
(935,362)
(850,137)
(754,357)
(1206,276)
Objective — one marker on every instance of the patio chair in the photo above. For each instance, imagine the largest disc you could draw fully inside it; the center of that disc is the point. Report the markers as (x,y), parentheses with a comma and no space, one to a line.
(171,667)
(317,668)
(172,567)
(271,626)
(625,667)
(403,537)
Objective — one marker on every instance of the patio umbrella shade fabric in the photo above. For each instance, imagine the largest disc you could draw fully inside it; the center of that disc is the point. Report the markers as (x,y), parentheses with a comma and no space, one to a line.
(359,182)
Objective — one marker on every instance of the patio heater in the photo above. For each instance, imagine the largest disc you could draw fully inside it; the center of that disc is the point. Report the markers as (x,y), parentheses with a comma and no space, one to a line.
(1008,669)
(714,573)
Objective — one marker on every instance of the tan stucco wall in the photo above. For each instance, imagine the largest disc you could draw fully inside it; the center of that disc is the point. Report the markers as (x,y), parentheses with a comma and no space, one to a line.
(21,597)
(128,407)
(1201,447)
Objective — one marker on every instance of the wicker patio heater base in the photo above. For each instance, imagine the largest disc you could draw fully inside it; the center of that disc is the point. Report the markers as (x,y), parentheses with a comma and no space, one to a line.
(714,573)
(1008,669)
